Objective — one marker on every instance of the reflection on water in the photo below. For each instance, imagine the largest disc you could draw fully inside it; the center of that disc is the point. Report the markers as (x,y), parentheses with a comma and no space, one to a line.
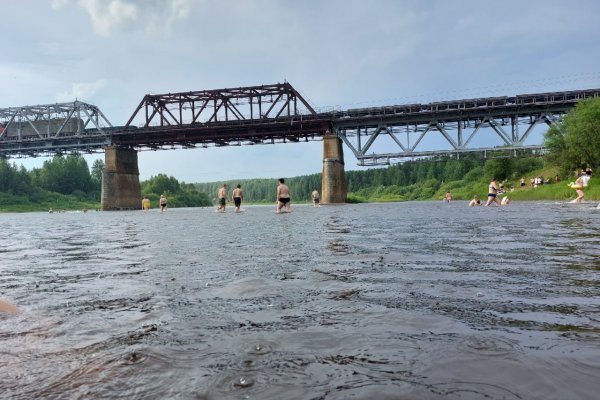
(406,300)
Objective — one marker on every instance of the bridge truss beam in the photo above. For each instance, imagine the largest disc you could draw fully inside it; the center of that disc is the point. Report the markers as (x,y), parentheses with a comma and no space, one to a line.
(254,103)
(47,129)
(455,122)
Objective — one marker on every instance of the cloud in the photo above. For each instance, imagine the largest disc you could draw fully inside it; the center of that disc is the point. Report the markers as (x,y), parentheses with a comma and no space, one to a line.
(81,91)
(151,16)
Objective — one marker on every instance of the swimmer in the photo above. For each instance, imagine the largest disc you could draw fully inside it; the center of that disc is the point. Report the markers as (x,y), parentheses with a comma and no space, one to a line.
(163,203)
(237,197)
(6,307)
(315,198)
(222,196)
(492,193)
(145,203)
(448,197)
(578,186)
(283,197)
(475,201)
(505,201)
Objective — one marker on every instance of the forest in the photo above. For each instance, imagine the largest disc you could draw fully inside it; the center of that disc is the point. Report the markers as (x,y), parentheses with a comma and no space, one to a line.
(67,182)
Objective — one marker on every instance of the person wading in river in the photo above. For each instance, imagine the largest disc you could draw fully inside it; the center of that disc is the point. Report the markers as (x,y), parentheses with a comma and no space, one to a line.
(283,197)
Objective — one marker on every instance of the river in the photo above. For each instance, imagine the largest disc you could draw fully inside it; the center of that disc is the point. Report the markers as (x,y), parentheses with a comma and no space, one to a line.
(415,300)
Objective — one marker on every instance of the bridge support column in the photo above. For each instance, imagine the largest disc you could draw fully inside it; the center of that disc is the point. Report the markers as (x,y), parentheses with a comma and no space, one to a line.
(334,178)
(120,180)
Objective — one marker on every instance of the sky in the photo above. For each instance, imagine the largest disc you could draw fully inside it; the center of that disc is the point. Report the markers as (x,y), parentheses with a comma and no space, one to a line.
(337,53)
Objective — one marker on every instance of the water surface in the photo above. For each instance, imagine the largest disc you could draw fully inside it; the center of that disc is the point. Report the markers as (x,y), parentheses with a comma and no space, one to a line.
(416,300)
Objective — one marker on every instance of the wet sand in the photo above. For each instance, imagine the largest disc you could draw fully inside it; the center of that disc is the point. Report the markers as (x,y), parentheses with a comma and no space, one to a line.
(415,300)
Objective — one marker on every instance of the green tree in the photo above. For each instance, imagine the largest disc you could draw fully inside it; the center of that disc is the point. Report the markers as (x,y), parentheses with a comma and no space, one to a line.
(575,141)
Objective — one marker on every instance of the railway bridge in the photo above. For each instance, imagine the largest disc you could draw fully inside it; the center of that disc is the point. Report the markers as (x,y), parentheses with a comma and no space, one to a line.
(270,114)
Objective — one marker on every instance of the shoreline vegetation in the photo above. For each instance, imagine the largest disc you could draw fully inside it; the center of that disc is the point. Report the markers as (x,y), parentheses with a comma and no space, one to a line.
(411,181)
(66,182)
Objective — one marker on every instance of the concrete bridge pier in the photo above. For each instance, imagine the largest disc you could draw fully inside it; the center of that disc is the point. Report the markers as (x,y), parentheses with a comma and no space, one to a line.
(334,179)
(120,180)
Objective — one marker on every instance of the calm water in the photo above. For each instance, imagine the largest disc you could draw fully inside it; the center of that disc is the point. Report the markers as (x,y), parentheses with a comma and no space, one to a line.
(416,300)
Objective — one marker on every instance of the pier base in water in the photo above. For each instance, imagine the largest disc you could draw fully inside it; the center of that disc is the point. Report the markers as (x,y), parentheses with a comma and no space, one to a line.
(120,180)
(334,179)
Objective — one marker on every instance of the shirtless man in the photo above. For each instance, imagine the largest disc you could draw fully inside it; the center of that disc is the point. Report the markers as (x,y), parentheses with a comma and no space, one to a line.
(162,202)
(283,196)
(315,198)
(237,197)
(492,193)
(222,195)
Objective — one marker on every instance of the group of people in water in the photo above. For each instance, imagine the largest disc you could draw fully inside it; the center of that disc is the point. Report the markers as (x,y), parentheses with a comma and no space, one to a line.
(162,203)
(284,200)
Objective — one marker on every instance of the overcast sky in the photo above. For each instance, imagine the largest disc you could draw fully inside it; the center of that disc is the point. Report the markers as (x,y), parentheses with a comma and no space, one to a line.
(339,53)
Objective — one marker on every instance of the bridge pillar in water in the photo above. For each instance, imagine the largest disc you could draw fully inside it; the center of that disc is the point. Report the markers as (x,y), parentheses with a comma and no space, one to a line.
(334,179)
(120,180)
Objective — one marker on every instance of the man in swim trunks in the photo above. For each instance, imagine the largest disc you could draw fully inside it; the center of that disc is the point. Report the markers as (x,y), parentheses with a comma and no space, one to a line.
(222,196)
(492,193)
(283,196)
(163,203)
(237,197)
(315,198)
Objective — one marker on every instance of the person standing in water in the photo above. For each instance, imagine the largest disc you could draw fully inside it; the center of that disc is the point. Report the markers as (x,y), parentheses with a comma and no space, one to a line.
(222,196)
(578,186)
(163,203)
(237,197)
(448,197)
(145,203)
(492,193)
(315,198)
(283,197)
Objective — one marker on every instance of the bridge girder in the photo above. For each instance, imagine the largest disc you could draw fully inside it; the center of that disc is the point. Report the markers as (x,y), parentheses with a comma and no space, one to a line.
(404,127)
(43,129)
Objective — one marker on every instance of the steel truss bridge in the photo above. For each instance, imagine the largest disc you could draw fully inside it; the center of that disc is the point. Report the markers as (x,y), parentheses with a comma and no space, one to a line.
(279,114)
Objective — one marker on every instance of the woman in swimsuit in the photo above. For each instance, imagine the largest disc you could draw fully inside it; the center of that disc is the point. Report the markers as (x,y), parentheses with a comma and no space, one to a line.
(492,193)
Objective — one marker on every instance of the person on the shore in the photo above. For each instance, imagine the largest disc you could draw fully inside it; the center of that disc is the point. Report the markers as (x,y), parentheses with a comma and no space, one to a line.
(237,196)
(522,181)
(145,203)
(283,197)
(578,186)
(476,201)
(316,198)
(492,193)
(162,202)
(222,197)
(448,197)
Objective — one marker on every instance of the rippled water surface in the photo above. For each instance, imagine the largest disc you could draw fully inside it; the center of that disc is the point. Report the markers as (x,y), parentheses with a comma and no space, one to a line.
(416,300)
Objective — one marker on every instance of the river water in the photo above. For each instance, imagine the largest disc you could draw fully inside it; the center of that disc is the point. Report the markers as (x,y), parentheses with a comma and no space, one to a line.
(415,300)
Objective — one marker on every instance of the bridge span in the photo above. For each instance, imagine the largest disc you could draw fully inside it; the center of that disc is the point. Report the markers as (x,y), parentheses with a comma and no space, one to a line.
(274,114)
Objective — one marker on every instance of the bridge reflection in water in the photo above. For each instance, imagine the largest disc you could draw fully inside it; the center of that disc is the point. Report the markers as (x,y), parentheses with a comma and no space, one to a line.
(271,114)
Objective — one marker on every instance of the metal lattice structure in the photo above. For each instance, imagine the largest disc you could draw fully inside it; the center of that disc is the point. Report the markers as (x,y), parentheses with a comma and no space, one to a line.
(53,128)
(235,116)
(277,114)
(511,119)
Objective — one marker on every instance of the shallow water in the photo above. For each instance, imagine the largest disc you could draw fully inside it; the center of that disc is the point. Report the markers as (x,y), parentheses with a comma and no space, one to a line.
(417,300)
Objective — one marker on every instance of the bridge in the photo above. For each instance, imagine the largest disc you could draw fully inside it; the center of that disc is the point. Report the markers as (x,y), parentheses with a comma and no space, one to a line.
(271,114)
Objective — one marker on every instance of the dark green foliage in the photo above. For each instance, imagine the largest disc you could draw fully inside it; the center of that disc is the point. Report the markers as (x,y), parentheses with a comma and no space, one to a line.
(179,194)
(575,142)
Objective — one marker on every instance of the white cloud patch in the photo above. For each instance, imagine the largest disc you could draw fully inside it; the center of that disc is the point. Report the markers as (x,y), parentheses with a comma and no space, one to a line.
(152,16)
(81,91)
